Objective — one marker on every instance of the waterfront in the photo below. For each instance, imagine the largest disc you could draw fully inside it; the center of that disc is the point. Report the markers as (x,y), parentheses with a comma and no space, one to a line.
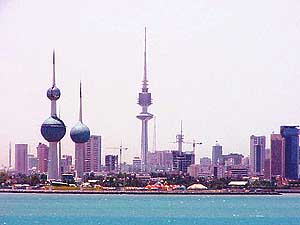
(148,209)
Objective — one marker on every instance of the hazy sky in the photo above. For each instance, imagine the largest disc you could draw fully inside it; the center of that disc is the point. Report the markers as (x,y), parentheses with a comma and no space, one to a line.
(228,69)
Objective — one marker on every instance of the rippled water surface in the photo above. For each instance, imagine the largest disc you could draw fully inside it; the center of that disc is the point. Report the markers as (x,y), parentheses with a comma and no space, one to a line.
(147,209)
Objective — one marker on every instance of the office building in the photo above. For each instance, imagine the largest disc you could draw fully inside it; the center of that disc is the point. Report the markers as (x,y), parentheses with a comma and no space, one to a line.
(205,169)
(193,170)
(267,164)
(277,155)
(257,155)
(160,161)
(66,164)
(182,160)
(21,158)
(111,163)
(88,156)
(216,154)
(42,158)
(136,165)
(291,137)
(234,157)
(32,163)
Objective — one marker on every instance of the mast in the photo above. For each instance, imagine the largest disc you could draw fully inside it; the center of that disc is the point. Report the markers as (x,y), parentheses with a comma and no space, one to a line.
(80,104)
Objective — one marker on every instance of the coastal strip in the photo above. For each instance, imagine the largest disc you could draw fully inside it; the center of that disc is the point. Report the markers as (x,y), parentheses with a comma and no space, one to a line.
(131,192)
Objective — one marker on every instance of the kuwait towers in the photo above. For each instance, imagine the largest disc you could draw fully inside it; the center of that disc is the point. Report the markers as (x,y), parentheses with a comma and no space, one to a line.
(53,129)
(80,134)
(144,101)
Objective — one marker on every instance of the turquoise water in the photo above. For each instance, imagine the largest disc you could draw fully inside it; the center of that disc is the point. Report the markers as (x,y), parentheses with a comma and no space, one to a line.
(146,209)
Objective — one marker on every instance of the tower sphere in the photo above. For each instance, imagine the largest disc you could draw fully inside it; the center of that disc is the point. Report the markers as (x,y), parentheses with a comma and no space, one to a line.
(80,133)
(53,93)
(53,129)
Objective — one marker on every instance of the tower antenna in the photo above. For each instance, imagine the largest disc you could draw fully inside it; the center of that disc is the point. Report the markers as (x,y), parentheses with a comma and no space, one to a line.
(53,62)
(145,82)
(80,104)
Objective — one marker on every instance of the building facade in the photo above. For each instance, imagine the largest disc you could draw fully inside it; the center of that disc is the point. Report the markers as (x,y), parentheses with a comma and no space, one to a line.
(66,164)
(32,163)
(160,161)
(277,155)
(257,155)
(111,163)
(21,158)
(216,154)
(136,165)
(88,156)
(42,158)
(182,160)
(291,137)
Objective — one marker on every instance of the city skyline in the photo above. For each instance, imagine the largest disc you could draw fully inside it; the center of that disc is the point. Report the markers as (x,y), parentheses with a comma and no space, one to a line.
(196,75)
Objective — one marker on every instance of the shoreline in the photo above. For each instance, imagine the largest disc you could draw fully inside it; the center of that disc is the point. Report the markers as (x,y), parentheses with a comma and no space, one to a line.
(117,192)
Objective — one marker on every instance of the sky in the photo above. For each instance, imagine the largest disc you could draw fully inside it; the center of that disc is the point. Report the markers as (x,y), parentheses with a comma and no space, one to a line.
(228,69)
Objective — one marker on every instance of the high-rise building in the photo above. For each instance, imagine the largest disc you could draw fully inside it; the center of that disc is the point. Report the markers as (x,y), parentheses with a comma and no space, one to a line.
(93,154)
(216,154)
(205,169)
(42,158)
(144,101)
(160,160)
(111,163)
(88,156)
(235,157)
(21,158)
(9,156)
(182,160)
(291,137)
(277,155)
(257,154)
(32,163)
(53,129)
(66,164)
(136,165)
(80,159)
(193,170)
(267,164)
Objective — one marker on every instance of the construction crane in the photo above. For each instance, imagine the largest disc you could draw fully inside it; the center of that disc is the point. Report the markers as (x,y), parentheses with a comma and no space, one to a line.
(180,141)
(120,148)
(194,143)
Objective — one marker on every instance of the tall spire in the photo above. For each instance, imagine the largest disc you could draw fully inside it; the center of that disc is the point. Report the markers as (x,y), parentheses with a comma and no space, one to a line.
(9,156)
(53,60)
(145,82)
(181,127)
(80,104)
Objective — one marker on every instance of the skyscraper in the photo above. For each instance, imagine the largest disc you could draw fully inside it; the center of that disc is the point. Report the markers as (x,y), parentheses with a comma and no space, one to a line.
(42,156)
(9,156)
(291,137)
(93,154)
(267,164)
(216,154)
(277,155)
(257,154)
(88,156)
(21,158)
(32,163)
(53,129)
(144,101)
(111,163)
(66,164)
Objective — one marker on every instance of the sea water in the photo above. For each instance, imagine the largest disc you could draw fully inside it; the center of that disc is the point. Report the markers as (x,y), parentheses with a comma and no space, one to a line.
(63,209)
